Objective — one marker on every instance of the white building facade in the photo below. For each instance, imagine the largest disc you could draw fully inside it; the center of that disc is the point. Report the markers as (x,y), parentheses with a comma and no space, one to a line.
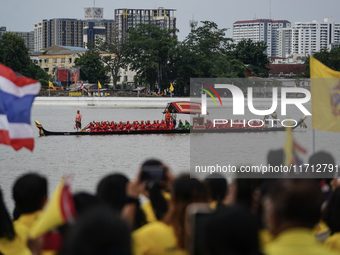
(306,38)
(260,30)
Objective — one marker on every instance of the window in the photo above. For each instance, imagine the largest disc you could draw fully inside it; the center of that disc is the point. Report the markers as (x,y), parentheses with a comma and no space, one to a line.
(46,60)
(62,60)
(54,60)
(70,60)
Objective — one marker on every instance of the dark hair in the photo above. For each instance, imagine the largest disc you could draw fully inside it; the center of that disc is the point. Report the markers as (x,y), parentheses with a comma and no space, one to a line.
(245,191)
(275,157)
(217,186)
(84,201)
(29,194)
(158,202)
(297,201)
(111,190)
(322,157)
(332,212)
(232,230)
(185,190)
(98,231)
(6,225)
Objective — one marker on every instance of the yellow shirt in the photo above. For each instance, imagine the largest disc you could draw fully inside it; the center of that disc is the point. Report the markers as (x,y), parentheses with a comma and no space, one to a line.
(155,238)
(17,246)
(333,242)
(265,237)
(299,241)
(147,208)
(321,231)
(28,219)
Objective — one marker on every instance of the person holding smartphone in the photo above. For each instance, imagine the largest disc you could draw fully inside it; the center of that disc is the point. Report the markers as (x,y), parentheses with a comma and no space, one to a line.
(168,235)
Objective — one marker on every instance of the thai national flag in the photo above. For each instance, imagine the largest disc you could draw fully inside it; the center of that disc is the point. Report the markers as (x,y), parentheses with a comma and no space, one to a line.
(138,87)
(17,94)
(82,85)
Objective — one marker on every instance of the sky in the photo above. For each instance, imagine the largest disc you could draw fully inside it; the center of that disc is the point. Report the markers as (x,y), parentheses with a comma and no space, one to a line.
(21,15)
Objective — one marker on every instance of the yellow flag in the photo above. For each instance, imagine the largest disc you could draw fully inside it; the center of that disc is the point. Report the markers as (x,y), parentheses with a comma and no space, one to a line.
(50,84)
(59,210)
(325,89)
(171,87)
(99,85)
(289,146)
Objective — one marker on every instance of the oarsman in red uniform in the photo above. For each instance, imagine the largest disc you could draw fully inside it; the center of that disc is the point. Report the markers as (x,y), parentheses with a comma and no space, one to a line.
(105,127)
(171,127)
(134,126)
(113,126)
(167,118)
(128,126)
(142,125)
(97,127)
(208,124)
(154,125)
(157,126)
(163,125)
(148,125)
(120,126)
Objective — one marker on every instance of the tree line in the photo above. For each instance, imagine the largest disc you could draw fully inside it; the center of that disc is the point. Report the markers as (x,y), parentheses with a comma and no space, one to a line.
(157,56)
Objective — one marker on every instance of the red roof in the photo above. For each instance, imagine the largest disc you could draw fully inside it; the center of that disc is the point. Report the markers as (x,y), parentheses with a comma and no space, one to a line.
(286,68)
(187,107)
(261,20)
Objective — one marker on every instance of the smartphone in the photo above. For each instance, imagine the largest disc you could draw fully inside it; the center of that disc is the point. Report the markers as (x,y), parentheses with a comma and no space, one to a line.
(198,215)
(153,173)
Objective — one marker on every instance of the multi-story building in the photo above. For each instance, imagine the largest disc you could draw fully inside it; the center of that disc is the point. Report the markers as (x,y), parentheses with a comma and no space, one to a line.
(260,30)
(68,32)
(126,18)
(284,42)
(2,31)
(310,37)
(28,37)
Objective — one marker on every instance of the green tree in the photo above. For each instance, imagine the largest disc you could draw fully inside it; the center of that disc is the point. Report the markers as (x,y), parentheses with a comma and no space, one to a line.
(205,52)
(149,50)
(252,53)
(14,53)
(112,56)
(91,67)
(329,58)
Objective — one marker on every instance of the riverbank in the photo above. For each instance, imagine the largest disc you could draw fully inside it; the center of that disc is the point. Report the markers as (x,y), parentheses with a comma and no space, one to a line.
(140,102)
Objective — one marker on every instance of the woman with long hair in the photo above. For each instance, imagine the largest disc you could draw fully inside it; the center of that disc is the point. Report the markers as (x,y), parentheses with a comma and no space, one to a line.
(13,239)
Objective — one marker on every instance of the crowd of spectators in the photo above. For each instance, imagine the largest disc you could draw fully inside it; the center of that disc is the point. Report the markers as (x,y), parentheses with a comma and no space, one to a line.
(181,215)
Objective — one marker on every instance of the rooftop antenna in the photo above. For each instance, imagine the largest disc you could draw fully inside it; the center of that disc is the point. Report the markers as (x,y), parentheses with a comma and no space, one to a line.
(94,3)
(270,9)
(193,23)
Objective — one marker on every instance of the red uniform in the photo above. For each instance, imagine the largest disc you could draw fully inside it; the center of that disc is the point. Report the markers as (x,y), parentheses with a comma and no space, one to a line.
(167,119)
(142,126)
(128,126)
(120,126)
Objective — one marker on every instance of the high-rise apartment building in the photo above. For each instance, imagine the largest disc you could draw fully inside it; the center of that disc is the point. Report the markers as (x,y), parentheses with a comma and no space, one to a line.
(260,30)
(28,37)
(126,18)
(308,37)
(67,32)
(284,42)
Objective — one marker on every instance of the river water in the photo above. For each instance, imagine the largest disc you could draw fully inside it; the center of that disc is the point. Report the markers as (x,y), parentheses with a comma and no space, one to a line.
(89,158)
